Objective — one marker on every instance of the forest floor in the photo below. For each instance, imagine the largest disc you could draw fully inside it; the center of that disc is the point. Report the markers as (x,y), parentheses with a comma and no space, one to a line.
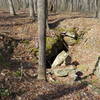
(18,68)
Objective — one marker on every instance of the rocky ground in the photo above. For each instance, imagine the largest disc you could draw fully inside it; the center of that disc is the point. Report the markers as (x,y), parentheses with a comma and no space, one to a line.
(19,58)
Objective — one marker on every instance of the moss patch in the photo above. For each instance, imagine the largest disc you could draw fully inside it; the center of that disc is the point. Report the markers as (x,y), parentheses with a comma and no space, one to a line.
(53,47)
(63,29)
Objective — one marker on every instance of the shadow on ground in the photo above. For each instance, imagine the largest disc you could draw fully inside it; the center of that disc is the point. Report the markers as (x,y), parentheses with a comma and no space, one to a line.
(7,47)
(61,91)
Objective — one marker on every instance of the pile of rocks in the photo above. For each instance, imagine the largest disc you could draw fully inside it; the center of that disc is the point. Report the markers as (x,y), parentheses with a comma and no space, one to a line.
(63,66)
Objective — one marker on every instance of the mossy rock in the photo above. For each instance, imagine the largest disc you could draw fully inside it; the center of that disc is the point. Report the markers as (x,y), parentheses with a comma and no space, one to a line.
(70,41)
(52,43)
(53,47)
(70,35)
(64,29)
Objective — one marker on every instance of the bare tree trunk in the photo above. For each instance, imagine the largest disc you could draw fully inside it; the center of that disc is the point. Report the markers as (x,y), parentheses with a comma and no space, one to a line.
(98,9)
(24,3)
(11,7)
(42,39)
(31,6)
(35,6)
(47,25)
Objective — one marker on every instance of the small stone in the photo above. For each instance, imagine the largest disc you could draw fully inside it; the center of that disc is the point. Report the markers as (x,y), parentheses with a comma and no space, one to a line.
(19,98)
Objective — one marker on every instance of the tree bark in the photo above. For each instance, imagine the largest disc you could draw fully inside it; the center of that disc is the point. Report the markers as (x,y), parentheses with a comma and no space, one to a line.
(31,7)
(42,39)
(11,7)
(98,9)
(35,6)
(47,24)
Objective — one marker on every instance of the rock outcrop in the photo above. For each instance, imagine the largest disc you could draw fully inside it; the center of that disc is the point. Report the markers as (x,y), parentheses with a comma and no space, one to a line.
(87,50)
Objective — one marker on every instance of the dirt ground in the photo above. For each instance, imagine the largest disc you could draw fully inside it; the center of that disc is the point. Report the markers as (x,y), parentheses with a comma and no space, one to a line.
(18,71)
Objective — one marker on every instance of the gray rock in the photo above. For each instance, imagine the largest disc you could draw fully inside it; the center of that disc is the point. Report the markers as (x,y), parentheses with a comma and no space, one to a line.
(73,75)
(70,41)
(71,34)
(63,71)
(59,59)
(70,38)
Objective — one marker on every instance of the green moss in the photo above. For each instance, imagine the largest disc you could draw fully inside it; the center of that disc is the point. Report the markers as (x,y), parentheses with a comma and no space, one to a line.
(78,41)
(79,35)
(34,60)
(50,42)
(72,29)
(32,49)
(82,68)
(17,73)
(60,29)
(53,44)
(26,42)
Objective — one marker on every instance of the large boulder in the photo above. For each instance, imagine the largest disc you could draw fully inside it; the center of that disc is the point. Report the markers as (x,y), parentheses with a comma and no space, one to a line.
(70,41)
(63,71)
(70,38)
(69,35)
(87,51)
(60,59)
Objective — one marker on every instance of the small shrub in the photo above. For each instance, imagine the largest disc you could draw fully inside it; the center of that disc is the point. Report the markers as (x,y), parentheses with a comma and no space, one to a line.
(4,92)
(18,73)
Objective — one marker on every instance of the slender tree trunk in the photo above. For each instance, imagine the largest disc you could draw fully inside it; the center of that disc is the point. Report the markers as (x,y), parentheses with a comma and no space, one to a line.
(98,9)
(24,3)
(35,6)
(11,7)
(31,7)
(19,4)
(42,39)
(47,25)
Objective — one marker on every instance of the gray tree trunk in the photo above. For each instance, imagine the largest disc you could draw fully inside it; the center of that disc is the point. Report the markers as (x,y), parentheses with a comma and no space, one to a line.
(47,25)
(11,7)
(98,9)
(31,7)
(35,6)
(42,39)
